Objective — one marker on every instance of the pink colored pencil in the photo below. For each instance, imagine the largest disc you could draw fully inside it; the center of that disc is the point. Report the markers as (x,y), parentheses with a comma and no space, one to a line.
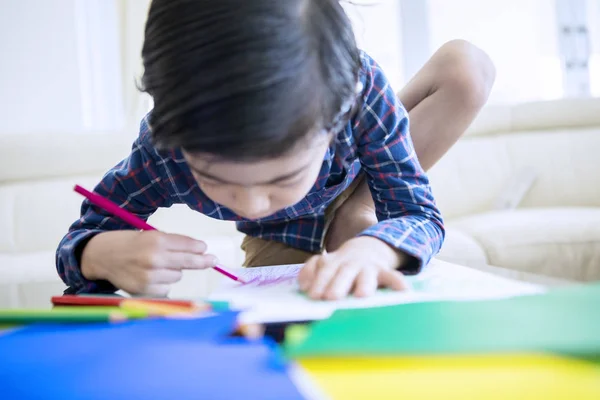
(132,220)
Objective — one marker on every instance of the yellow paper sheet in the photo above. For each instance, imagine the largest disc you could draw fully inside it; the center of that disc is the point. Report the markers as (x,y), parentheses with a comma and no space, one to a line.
(461,377)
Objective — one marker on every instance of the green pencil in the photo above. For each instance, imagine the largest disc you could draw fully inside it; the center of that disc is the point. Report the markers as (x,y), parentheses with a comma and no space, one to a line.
(129,313)
(4,328)
(67,315)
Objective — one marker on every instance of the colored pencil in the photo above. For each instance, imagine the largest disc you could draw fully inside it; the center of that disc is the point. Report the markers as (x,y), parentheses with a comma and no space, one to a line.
(19,316)
(100,300)
(132,220)
(130,313)
(74,300)
(158,309)
(7,327)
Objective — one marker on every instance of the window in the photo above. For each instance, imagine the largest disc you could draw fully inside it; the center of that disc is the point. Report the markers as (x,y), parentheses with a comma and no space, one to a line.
(541,48)
(593,21)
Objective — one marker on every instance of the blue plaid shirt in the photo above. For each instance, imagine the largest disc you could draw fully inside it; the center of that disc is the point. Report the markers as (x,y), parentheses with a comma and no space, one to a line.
(376,141)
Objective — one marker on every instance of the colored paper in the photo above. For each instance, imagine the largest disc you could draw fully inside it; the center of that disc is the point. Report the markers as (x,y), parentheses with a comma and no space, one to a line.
(272,293)
(495,377)
(563,321)
(147,359)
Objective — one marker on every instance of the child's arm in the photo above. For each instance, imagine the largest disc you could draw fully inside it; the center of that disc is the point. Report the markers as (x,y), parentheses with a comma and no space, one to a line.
(137,184)
(409,218)
(410,229)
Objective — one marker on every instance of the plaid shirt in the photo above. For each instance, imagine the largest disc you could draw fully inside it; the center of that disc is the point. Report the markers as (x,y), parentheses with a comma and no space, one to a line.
(376,141)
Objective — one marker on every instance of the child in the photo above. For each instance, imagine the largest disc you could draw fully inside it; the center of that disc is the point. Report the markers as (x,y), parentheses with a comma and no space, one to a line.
(266,113)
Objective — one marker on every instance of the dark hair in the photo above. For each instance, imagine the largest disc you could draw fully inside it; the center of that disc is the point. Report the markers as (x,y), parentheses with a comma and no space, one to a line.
(247,79)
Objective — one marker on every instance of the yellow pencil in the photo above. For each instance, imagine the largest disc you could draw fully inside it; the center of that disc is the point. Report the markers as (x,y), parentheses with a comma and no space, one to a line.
(161,309)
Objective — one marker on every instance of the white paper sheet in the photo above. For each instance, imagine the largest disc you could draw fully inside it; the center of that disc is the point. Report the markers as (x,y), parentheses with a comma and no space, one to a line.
(271,294)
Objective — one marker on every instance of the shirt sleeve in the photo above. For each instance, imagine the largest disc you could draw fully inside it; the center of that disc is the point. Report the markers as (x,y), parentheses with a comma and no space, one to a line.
(409,219)
(134,184)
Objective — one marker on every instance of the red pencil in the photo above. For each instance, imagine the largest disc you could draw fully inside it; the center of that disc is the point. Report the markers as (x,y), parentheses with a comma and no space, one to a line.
(85,300)
(132,220)
(74,300)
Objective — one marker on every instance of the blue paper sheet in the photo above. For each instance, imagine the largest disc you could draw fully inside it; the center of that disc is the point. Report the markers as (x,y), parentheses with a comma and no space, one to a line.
(152,359)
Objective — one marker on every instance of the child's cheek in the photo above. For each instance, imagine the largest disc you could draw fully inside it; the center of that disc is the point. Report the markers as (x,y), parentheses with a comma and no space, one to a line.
(289,196)
(218,195)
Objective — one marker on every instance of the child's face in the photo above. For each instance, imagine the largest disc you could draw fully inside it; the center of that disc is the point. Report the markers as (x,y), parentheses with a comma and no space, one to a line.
(258,189)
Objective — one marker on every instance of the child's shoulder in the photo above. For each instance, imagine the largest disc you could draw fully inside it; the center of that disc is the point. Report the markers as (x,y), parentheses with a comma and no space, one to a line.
(373,81)
(376,98)
(145,132)
(366,61)
(370,70)
(144,140)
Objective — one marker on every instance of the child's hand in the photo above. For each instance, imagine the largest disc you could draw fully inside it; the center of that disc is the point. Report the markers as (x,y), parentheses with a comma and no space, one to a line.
(145,262)
(360,266)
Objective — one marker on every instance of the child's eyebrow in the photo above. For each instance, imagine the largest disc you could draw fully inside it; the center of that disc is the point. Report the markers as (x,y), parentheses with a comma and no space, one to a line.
(278,179)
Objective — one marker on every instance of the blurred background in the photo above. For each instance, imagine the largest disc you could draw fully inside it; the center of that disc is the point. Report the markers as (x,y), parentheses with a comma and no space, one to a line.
(73,63)
(520,192)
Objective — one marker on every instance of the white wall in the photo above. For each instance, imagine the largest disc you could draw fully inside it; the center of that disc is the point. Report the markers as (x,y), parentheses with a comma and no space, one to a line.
(39,75)
(378,32)
(133,15)
(60,68)
(519,35)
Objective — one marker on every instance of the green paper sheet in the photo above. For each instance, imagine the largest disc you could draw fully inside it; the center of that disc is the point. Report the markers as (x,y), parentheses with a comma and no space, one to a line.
(563,321)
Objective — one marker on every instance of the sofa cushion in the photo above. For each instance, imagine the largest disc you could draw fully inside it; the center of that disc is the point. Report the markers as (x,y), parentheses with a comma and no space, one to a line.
(478,171)
(538,115)
(44,155)
(460,248)
(559,242)
(28,280)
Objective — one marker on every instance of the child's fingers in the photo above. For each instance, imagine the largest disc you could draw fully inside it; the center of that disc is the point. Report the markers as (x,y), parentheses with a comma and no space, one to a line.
(157,290)
(195,261)
(365,283)
(179,260)
(165,276)
(341,283)
(392,279)
(326,268)
(307,273)
(186,244)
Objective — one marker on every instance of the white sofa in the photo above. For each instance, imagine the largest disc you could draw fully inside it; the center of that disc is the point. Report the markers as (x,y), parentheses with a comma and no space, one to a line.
(521,190)
(554,230)
(37,205)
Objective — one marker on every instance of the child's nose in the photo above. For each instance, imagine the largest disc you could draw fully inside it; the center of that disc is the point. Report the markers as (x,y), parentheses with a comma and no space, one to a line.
(253,203)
